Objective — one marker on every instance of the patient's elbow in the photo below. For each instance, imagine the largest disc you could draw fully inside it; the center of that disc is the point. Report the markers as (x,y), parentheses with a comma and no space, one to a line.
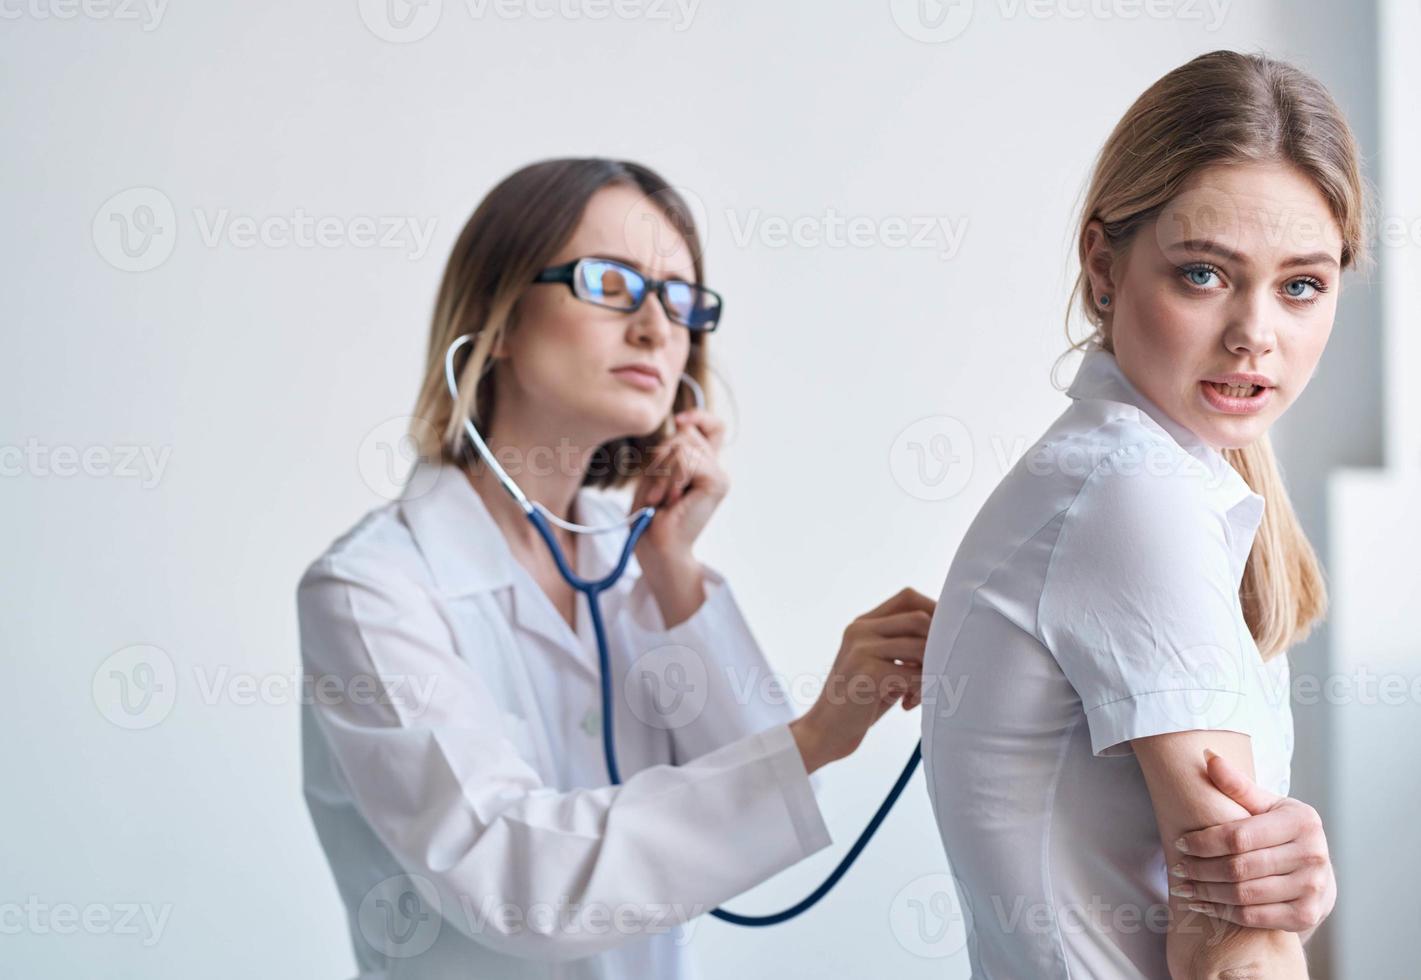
(1238,953)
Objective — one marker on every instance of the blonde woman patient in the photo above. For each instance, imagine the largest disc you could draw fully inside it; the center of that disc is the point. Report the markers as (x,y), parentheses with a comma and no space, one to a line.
(1111,789)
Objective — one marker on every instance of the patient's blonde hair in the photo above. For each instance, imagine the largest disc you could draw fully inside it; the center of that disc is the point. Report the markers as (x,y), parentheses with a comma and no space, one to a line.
(1228,107)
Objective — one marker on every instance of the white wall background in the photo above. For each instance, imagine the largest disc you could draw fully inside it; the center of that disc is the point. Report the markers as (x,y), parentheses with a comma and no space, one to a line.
(260,379)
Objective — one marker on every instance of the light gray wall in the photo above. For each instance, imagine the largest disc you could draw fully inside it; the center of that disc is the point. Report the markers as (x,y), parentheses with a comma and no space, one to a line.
(263,379)
(1375,535)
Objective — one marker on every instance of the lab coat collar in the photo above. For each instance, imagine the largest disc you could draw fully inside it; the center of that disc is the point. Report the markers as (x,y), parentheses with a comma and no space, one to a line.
(468,554)
(464,548)
(1100,377)
(466,551)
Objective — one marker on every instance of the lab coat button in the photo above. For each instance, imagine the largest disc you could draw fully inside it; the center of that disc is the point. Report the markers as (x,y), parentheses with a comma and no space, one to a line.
(592,722)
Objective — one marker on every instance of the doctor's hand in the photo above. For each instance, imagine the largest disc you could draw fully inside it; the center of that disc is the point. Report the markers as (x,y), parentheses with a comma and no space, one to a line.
(879,662)
(1270,870)
(685,483)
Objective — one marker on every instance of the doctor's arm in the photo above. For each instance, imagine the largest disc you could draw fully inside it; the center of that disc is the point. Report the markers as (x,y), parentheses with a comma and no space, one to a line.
(1199,947)
(685,611)
(879,663)
(735,690)
(444,788)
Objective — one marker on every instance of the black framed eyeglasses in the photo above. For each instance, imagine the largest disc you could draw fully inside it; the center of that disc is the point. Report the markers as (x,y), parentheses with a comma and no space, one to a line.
(617,286)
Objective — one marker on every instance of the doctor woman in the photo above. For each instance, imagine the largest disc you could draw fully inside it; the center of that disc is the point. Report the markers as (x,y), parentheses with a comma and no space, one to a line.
(1123,604)
(466,809)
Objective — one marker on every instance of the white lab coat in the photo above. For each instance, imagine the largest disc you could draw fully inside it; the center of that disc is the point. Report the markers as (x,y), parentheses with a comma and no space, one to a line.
(453,764)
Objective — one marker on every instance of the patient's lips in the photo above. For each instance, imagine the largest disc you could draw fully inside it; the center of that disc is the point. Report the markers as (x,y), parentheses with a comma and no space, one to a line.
(1237,393)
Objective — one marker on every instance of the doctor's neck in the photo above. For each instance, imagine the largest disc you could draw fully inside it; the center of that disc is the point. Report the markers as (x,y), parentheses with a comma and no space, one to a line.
(548,462)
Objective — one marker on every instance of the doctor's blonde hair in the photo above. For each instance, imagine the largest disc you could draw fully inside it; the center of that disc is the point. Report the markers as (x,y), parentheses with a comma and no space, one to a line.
(512,235)
(1228,107)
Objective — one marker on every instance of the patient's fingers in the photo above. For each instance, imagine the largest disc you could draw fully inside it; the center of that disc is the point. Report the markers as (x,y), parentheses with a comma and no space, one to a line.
(1241,867)
(1249,834)
(1258,891)
(1237,784)
(1299,915)
(1276,916)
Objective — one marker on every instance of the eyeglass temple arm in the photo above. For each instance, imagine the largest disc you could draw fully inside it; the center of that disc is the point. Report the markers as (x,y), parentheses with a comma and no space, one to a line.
(558,273)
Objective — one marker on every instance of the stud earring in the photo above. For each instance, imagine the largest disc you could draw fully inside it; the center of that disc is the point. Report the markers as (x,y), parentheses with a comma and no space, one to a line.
(1105,301)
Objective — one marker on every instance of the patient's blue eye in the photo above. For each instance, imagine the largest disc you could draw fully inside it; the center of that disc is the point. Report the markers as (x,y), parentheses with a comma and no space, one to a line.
(1198,275)
(1309,289)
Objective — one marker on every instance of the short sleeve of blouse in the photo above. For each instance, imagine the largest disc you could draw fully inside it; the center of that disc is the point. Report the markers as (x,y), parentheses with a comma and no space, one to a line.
(1140,605)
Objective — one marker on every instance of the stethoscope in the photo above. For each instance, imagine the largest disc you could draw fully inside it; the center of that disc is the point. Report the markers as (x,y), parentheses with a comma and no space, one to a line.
(541,519)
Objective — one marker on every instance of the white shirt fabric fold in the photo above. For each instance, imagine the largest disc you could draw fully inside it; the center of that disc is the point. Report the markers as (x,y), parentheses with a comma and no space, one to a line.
(1094,600)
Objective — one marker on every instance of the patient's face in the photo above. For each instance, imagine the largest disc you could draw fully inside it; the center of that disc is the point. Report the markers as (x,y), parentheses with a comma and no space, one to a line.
(1239,274)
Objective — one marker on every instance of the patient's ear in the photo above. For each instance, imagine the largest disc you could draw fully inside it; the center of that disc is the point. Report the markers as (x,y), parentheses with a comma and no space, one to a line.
(1100,259)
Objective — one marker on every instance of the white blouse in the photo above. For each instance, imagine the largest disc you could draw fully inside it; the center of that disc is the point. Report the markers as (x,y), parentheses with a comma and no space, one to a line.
(455,772)
(1094,600)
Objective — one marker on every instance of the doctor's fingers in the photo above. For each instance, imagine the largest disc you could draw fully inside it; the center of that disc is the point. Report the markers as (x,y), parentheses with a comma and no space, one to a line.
(686,454)
(904,600)
(895,685)
(896,677)
(915,696)
(871,684)
(683,460)
(710,426)
(890,650)
(903,678)
(914,623)
(695,465)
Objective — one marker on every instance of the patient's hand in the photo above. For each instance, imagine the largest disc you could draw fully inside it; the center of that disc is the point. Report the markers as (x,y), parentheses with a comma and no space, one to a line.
(1270,870)
(1186,801)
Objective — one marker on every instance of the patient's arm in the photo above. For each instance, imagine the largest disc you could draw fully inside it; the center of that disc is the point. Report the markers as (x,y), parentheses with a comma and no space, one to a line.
(1185,799)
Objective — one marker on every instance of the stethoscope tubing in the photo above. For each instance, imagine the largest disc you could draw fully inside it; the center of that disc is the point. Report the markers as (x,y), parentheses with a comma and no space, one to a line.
(542,520)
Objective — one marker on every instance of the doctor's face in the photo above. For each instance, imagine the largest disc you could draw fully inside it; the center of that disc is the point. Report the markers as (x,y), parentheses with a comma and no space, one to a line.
(1238,276)
(599,374)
